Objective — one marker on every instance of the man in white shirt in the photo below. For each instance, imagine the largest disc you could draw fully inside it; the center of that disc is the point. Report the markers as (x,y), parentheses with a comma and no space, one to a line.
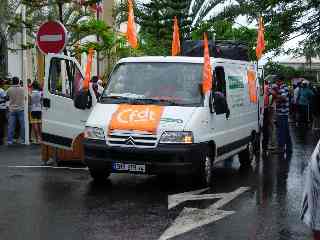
(16,109)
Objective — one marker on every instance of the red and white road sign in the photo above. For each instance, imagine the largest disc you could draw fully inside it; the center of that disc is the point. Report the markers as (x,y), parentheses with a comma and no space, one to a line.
(52,37)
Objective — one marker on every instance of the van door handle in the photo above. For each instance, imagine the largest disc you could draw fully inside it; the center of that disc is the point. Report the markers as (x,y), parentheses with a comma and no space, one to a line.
(46,103)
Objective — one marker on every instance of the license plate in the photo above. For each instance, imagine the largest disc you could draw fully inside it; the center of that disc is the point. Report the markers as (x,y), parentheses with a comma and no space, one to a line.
(130,167)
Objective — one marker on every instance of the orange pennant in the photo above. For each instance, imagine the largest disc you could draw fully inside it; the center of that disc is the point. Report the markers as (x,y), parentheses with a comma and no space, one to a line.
(252,85)
(175,38)
(88,69)
(136,118)
(131,27)
(207,70)
(260,41)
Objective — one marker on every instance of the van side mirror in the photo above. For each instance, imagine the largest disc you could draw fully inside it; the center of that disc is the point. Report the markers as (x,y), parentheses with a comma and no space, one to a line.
(83,100)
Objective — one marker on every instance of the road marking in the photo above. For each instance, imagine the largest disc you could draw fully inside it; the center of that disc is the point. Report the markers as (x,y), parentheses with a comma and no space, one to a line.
(192,218)
(52,167)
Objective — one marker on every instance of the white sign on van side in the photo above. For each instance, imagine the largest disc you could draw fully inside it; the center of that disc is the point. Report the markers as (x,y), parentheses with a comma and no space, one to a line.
(192,218)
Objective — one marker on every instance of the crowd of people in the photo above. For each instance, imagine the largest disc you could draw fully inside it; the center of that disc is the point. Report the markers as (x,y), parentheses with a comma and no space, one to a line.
(301,102)
(304,105)
(12,116)
(283,104)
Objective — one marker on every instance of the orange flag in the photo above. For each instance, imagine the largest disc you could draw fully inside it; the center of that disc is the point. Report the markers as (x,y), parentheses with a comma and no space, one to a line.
(260,41)
(175,38)
(131,27)
(88,69)
(207,71)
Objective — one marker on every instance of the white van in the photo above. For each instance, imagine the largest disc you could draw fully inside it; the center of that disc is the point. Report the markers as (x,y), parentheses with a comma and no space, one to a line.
(152,117)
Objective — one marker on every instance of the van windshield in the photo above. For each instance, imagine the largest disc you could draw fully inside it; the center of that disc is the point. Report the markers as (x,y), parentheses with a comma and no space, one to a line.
(155,83)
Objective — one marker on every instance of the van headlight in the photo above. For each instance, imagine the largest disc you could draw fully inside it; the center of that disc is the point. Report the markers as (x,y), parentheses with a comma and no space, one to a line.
(94,133)
(177,137)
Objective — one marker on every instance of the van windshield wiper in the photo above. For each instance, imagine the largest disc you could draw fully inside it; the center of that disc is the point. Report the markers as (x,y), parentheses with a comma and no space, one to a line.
(117,98)
(153,101)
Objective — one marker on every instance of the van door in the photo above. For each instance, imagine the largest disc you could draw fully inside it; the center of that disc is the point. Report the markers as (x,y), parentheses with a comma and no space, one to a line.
(223,124)
(243,116)
(62,123)
(229,82)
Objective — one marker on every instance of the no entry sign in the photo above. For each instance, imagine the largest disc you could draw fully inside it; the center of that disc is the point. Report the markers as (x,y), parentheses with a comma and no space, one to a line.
(52,37)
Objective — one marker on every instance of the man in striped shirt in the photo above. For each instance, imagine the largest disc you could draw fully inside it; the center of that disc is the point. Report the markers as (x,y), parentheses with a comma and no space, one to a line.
(281,95)
(310,213)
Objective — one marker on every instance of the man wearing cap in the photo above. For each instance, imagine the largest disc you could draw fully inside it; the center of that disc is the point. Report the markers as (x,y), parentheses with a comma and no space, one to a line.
(280,92)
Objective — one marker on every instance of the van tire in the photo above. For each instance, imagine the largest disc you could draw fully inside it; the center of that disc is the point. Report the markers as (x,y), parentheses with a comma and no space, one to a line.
(99,174)
(246,156)
(204,175)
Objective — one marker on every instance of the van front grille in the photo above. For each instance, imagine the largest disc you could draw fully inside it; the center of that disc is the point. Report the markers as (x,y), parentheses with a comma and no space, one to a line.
(131,139)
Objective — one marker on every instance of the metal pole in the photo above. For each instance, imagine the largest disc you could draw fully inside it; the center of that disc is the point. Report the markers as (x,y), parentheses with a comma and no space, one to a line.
(24,76)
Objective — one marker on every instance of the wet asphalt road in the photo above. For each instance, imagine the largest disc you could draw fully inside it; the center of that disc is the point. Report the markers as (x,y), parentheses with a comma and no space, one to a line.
(60,203)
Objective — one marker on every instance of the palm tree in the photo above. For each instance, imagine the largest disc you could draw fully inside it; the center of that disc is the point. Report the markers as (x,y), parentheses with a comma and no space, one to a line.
(311,50)
(198,10)
(213,10)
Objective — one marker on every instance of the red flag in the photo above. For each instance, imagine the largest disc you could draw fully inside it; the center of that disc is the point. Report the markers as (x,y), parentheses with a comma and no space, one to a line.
(207,70)
(175,38)
(131,27)
(260,41)
(88,69)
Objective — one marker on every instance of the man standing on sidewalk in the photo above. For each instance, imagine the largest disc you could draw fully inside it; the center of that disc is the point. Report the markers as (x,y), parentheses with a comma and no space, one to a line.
(281,96)
(16,109)
(3,109)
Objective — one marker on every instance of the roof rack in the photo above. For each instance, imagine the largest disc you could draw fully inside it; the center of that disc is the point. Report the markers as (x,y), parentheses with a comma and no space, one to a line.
(234,50)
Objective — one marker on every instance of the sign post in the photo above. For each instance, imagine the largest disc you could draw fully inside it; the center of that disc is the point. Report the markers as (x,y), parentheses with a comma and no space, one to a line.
(52,37)
(24,78)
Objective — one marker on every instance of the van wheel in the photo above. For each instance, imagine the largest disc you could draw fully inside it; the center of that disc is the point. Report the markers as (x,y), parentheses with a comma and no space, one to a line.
(99,174)
(206,166)
(247,156)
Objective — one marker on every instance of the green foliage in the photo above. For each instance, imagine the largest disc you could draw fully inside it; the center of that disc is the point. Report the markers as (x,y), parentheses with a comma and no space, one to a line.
(286,19)
(156,20)
(78,20)
(92,27)
(272,68)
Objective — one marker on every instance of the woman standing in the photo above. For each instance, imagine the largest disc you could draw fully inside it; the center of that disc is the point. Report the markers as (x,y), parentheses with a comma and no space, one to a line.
(35,102)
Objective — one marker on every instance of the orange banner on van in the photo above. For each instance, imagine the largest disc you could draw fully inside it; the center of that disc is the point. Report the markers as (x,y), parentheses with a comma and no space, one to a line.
(136,118)
(252,85)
